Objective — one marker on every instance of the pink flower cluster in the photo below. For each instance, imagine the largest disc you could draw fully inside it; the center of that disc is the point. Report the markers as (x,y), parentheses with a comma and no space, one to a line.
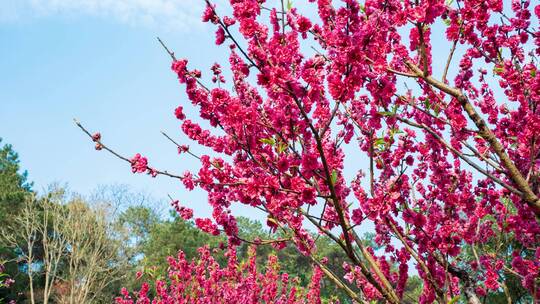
(183,211)
(139,164)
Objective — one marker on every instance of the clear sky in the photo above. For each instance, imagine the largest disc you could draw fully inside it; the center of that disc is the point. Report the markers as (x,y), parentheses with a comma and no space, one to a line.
(98,61)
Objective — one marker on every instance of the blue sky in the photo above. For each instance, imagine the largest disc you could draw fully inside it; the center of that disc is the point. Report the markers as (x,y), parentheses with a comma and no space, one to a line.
(98,61)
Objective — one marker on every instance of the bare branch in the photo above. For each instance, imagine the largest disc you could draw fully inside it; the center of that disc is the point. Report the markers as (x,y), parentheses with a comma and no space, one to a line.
(100,143)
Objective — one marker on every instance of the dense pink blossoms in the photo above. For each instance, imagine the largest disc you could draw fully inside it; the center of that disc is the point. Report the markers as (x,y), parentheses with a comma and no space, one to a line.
(433,106)
(203,280)
(139,164)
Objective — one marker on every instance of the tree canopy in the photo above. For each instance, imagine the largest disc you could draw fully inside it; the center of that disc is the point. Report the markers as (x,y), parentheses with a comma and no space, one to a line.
(433,107)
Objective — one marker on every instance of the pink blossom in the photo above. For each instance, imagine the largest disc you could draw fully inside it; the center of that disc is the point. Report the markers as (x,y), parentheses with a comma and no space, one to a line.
(178,112)
(139,164)
(220,36)
(206,225)
(96,137)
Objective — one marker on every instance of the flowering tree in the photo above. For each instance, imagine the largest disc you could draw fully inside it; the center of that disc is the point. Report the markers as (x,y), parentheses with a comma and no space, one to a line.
(203,280)
(434,107)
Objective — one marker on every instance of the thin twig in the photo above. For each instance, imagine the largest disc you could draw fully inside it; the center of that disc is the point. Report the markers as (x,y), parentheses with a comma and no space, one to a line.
(167,49)
(103,146)
(171,53)
(448,60)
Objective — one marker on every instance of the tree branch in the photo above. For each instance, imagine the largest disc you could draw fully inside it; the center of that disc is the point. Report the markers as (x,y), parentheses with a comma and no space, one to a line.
(515,175)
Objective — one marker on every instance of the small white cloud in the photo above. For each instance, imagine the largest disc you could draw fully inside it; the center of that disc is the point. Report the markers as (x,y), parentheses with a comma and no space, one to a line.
(167,14)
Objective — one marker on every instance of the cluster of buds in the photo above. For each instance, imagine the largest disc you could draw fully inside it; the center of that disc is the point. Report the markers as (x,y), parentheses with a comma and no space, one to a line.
(97,139)
(218,77)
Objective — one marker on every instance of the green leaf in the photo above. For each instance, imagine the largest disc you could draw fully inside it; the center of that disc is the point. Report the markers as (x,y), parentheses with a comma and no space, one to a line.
(216,165)
(437,109)
(269,141)
(454,300)
(427,104)
(333,177)
(362,7)
(478,136)
(386,113)
(497,70)
(289,5)
(281,147)
(394,131)
(379,142)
